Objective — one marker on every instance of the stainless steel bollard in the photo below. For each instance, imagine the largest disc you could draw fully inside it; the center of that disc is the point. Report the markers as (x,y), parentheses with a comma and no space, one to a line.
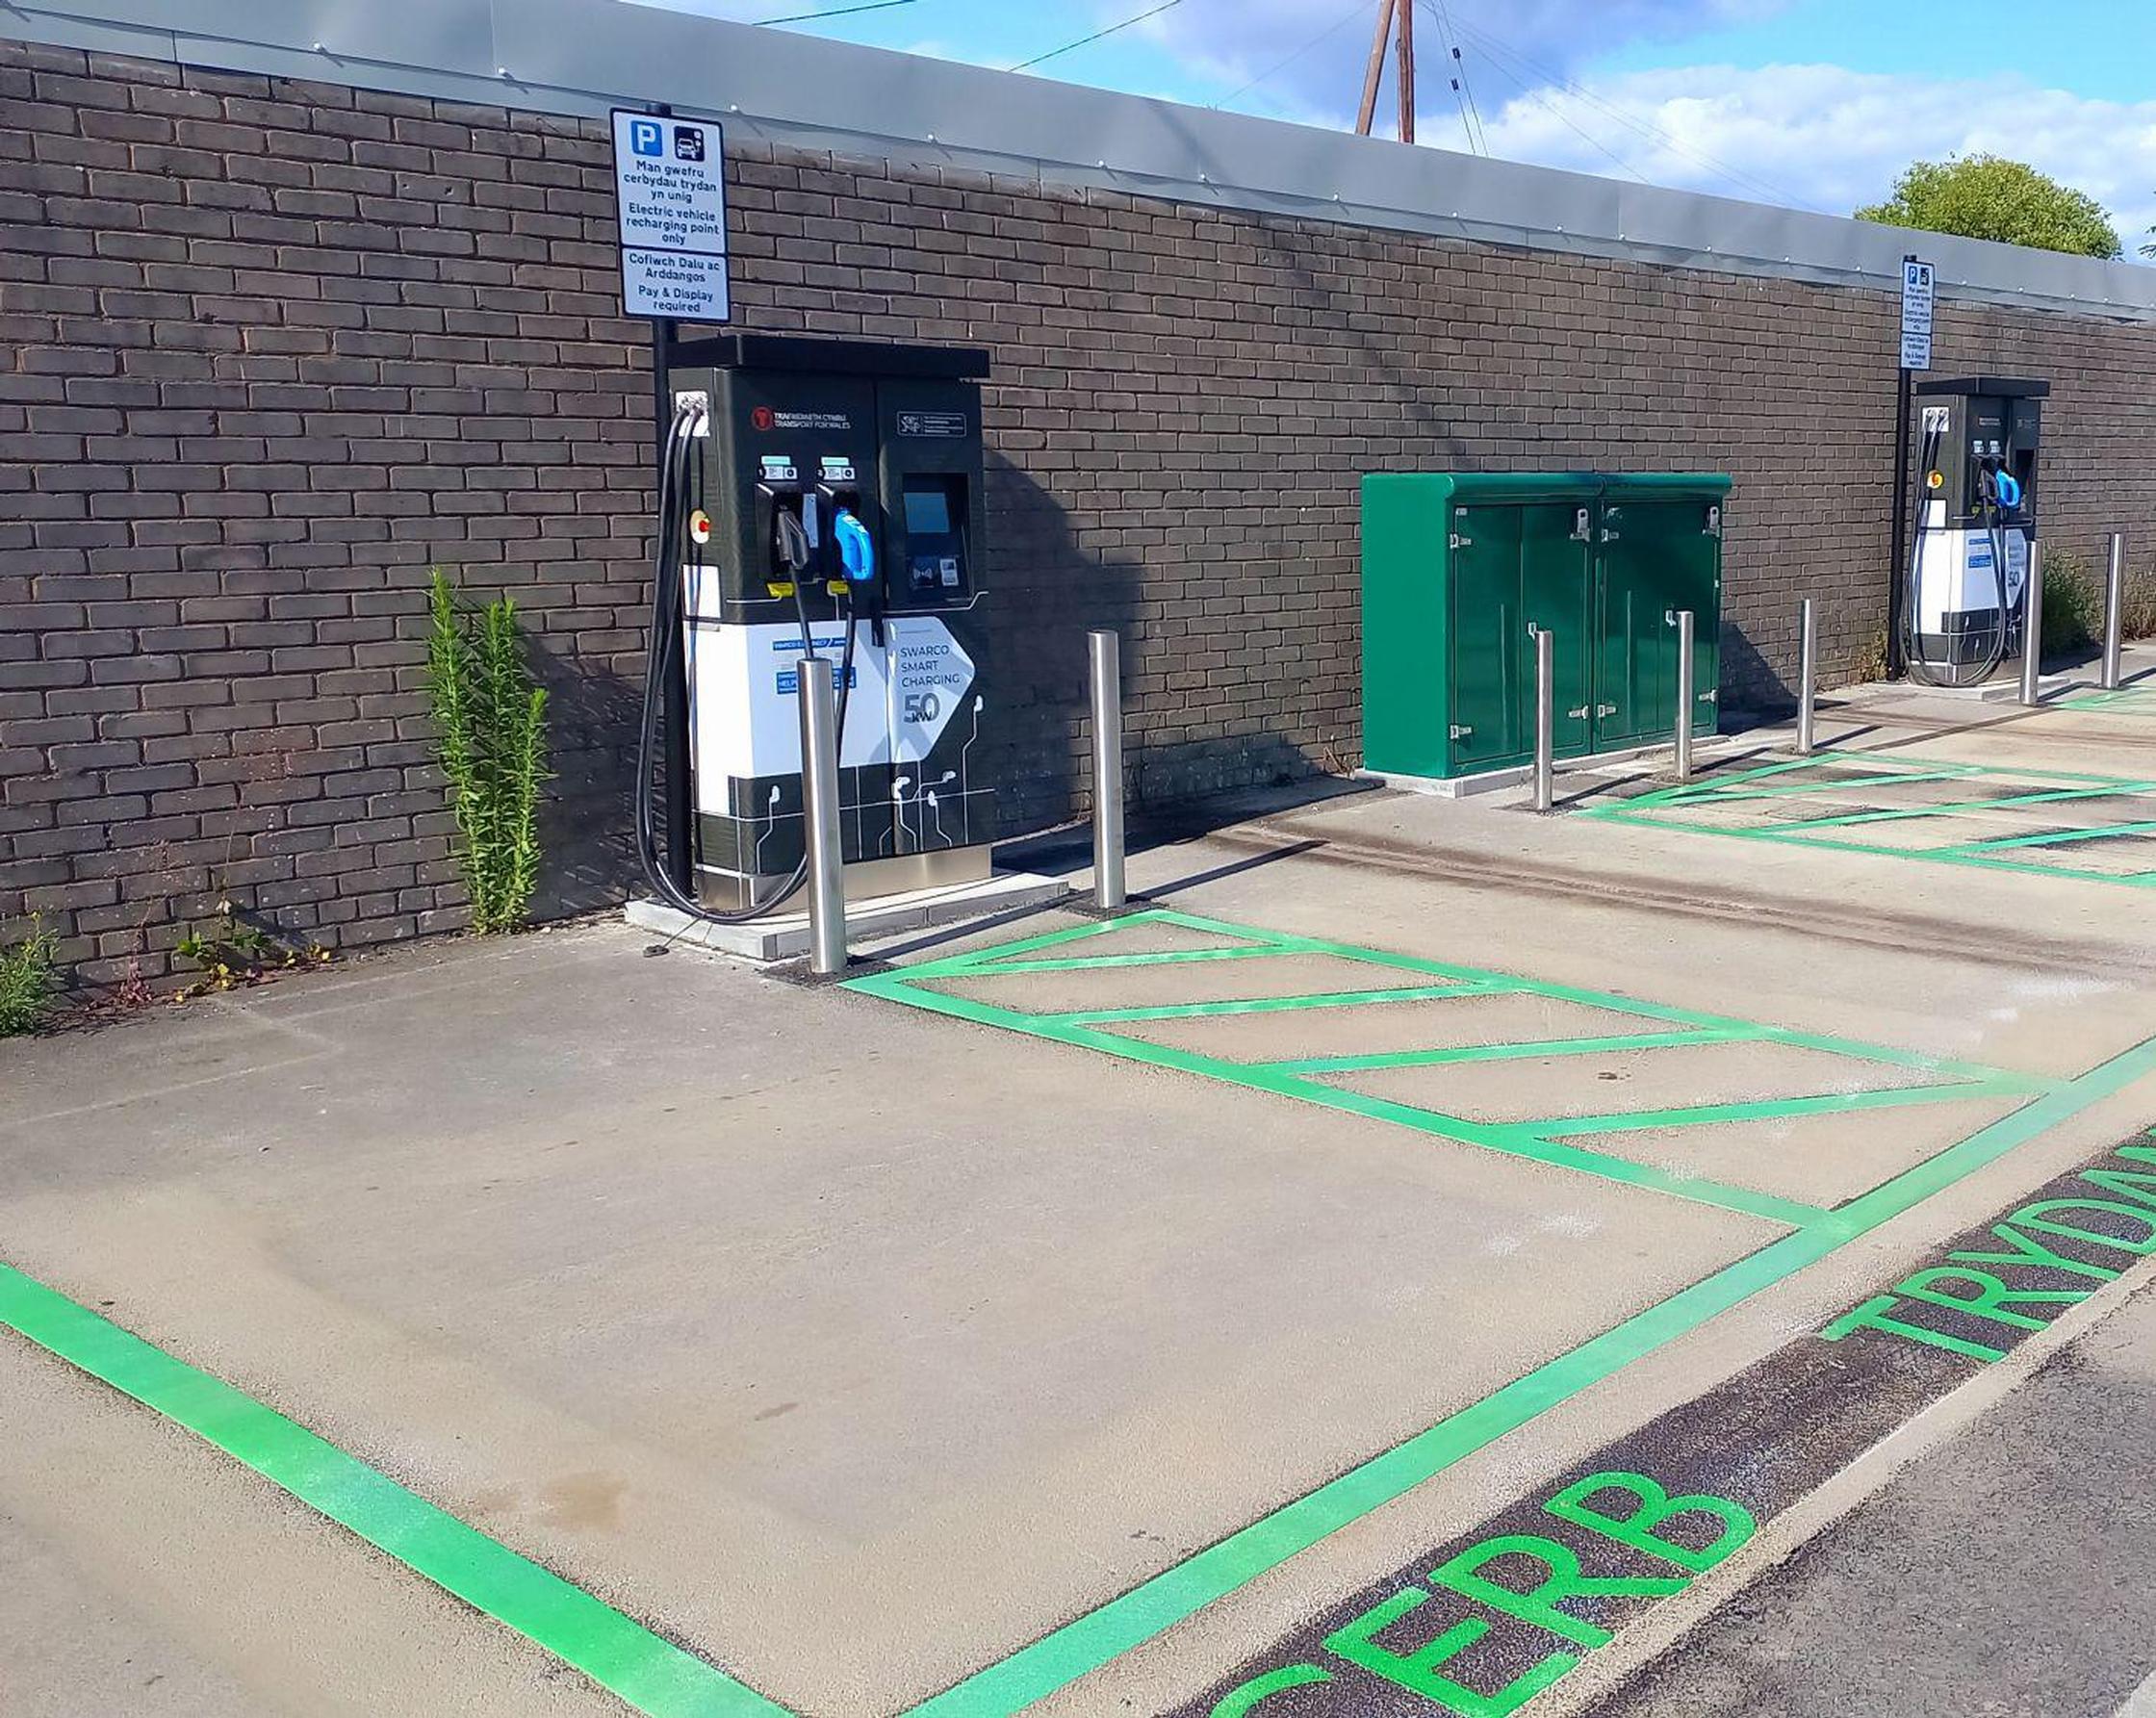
(1544,718)
(1684,699)
(2032,632)
(1103,651)
(2115,611)
(819,821)
(1807,678)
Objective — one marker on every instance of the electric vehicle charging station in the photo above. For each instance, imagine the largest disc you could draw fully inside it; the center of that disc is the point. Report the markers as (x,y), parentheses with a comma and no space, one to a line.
(1975,513)
(820,496)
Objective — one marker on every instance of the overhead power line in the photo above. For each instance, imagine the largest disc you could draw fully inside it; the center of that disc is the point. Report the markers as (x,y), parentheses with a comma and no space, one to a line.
(1097,35)
(1461,86)
(1497,49)
(1541,98)
(1354,12)
(837,11)
(1458,80)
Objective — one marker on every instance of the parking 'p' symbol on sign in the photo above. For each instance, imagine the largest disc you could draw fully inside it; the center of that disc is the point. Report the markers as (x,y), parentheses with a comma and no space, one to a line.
(646,137)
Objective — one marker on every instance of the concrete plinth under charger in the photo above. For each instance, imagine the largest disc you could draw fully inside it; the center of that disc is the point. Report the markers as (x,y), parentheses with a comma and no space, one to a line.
(784,935)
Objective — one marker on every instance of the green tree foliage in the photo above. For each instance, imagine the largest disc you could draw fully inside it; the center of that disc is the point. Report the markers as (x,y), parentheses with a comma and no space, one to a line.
(1986,196)
(491,738)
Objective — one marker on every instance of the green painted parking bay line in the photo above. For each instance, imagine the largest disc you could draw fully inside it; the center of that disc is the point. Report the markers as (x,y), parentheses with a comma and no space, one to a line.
(1719,784)
(1944,856)
(653,1676)
(1372,1059)
(656,1678)
(1825,1103)
(2044,797)
(1164,957)
(2052,838)
(1513,1140)
(1712,793)
(1255,1005)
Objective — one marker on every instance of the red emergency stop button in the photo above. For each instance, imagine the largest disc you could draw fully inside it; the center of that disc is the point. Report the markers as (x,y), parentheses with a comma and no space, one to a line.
(700,526)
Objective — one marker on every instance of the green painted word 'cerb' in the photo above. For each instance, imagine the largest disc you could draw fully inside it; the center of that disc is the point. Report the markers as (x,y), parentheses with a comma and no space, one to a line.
(1585,1504)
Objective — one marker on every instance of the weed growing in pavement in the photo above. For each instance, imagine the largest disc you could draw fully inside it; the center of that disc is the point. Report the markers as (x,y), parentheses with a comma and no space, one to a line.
(27,982)
(1871,659)
(235,951)
(490,739)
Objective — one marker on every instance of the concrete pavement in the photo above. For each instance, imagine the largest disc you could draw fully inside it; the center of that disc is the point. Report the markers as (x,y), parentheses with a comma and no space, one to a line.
(861,1347)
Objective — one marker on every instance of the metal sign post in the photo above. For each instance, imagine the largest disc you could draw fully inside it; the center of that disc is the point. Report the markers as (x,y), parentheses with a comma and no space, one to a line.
(1807,677)
(2032,632)
(1544,718)
(819,819)
(1683,620)
(670,215)
(2115,611)
(1104,660)
(1919,284)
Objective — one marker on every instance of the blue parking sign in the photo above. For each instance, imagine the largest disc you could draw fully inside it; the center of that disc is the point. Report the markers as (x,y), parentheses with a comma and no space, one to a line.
(647,137)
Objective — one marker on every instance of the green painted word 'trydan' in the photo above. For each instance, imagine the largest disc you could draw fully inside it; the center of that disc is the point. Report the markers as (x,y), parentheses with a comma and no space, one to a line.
(1771,788)
(2126,1196)
(655,1677)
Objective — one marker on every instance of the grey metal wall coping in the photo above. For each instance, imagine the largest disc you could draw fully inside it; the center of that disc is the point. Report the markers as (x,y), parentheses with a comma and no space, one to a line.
(583,56)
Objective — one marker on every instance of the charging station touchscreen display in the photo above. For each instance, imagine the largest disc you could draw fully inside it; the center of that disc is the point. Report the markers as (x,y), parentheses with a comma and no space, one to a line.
(928,513)
(934,545)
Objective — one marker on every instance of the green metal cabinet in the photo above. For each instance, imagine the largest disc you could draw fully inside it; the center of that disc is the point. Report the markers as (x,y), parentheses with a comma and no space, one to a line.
(1458,568)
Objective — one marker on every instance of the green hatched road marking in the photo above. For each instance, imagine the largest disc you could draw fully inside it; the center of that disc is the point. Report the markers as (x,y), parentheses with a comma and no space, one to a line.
(656,1678)
(1252,1005)
(1664,810)
(1961,808)
(1539,1048)
(1546,1140)
(2131,698)
(1468,981)
(1511,1139)
(1825,1102)
(1165,956)
(1948,856)
(651,1675)
(1095,1639)
(2053,838)
(1883,770)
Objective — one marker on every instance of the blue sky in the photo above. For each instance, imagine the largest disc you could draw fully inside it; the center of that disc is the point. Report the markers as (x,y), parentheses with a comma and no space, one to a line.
(1815,103)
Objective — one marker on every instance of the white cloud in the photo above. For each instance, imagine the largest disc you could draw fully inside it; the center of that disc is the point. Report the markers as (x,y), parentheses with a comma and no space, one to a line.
(1826,137)
(1816,135)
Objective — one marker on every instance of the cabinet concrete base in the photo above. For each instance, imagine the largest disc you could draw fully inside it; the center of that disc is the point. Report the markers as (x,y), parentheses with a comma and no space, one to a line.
(784,935)
(1705,747)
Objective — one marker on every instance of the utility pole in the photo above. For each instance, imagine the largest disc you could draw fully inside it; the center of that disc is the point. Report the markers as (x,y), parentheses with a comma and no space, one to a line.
(1407,45)
(1377,70)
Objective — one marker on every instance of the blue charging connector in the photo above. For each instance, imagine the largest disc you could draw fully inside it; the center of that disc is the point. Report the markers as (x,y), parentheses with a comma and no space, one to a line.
(857,549)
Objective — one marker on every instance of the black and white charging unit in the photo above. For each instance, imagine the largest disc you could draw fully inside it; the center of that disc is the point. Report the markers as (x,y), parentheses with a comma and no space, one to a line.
(1975,528)
(817,497)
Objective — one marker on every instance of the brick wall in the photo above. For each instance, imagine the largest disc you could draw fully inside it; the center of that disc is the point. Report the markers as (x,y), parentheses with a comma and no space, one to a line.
(271,349)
